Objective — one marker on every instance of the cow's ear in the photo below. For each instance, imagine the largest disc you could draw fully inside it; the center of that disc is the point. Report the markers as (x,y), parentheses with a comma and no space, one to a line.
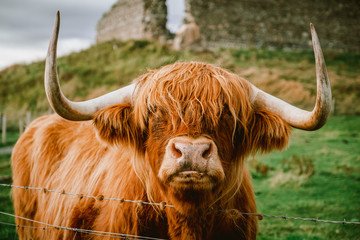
(268,131)
(115,124)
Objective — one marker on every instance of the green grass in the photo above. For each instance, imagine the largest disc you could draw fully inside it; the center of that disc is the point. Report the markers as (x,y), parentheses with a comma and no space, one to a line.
(11,138)
(6,232)
(327,188)
(332,192)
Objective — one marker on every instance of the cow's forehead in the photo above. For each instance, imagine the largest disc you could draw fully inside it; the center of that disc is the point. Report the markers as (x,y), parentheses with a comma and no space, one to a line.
(193,86)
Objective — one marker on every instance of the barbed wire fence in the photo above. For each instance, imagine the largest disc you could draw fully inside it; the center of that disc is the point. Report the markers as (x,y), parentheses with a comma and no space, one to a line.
(162,205)
(76,230)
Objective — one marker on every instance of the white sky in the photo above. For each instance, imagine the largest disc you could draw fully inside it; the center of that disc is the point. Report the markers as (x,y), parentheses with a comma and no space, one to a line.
(25,26)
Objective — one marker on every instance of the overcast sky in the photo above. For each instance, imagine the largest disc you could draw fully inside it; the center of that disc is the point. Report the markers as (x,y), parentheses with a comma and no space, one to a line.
(25,26)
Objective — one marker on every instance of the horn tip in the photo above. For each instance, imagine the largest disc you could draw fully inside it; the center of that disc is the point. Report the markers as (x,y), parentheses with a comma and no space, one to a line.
(57,16)
(312,29)
(314,35)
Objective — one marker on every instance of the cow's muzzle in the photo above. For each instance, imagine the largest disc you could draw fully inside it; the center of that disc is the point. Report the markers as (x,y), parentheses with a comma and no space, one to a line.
(191,154)
(191,161)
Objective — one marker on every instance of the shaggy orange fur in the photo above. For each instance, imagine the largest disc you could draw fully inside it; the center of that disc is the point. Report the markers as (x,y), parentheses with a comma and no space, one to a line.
(119,153)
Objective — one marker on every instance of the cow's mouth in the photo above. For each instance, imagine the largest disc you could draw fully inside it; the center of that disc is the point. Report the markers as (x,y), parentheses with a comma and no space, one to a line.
(191,179)
(190,174)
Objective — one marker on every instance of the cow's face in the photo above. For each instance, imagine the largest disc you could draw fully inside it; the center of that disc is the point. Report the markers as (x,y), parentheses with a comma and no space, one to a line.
(189,155)
(193,124)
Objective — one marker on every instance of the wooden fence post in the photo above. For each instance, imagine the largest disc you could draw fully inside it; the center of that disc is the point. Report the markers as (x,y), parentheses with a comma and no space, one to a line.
(3,139)
(21,126)
(28,118)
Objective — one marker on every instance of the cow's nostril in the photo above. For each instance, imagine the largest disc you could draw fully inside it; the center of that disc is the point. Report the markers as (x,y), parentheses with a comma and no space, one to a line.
(176,151)
(207,151)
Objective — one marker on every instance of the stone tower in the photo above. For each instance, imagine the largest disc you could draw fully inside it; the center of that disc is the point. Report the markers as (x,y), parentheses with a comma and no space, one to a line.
(135,19)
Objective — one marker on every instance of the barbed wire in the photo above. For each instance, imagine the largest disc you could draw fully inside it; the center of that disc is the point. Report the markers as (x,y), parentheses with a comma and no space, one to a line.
(99,197)
(233,212)
(77,230)
(23,226)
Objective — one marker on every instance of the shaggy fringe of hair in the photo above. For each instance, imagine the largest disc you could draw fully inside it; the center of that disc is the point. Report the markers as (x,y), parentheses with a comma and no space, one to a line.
(196,87)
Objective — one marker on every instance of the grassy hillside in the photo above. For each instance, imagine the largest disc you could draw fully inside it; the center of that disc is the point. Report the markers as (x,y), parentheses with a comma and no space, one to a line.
(108,66)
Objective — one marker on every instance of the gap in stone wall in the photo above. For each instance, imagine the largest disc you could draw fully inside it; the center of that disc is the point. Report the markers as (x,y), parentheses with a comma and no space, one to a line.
(175,15)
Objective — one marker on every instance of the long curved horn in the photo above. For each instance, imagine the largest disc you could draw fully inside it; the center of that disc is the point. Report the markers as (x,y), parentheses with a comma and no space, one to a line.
(296,117)
(75,111)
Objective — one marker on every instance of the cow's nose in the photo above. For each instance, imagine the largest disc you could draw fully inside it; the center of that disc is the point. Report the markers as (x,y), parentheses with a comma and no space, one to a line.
(190,157)
(188,150)
(192,152)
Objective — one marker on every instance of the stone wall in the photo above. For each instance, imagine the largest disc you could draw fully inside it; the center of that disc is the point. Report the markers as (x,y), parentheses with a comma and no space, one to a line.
(277,23)
(242,23)
(135,19)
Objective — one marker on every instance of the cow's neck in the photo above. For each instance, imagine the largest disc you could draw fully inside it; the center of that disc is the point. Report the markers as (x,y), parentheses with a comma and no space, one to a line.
(197,225)
(190,217)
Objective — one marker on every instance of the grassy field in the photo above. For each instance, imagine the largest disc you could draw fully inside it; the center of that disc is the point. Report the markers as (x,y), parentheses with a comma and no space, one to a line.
(6,232)
(318,176)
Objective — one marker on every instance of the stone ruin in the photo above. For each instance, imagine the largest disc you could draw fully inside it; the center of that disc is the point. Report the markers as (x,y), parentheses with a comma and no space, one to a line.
(133,19)
(210,24)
